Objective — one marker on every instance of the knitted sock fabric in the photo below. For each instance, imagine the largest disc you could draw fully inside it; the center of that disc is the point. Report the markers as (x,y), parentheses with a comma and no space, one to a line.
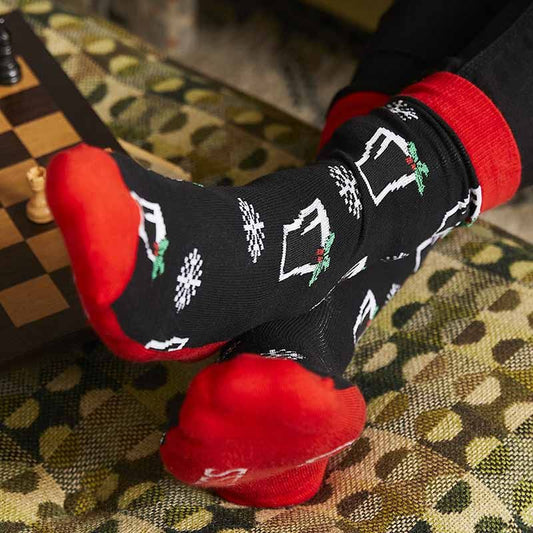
(277,398)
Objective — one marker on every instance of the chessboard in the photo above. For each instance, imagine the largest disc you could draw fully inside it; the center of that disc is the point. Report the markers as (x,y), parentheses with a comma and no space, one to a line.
(39,116)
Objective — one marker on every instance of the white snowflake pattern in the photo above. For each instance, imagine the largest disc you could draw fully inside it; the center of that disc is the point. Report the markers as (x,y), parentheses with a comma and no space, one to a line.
(388,258)
(283,354)
(404,111)
(253,226)
(348,189)
(189,279)
(392,291)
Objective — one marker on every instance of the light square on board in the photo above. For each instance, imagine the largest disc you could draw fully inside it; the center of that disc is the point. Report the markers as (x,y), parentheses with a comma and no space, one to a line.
(49,249)
(47,134)
(9,234)
(32,300)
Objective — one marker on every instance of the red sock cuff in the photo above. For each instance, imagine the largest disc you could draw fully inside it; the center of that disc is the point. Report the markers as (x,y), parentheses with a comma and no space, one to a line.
(352,105)
(481,128)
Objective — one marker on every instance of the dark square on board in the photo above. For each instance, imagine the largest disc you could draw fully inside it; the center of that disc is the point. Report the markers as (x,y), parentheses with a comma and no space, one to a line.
(18,264)
(11,150)
(27,228)
(27,105)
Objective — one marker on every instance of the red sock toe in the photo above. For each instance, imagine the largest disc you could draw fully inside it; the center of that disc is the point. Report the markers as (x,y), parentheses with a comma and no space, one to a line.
(260,431)
(99,221)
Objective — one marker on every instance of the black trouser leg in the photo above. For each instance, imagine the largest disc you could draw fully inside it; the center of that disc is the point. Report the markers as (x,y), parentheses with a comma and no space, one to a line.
(500,62)
(415,37)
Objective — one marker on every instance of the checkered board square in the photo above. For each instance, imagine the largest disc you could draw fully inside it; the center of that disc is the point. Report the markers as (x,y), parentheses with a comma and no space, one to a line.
(39,116)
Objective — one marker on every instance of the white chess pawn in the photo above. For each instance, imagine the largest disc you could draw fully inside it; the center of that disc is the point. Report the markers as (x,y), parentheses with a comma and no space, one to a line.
(37,209)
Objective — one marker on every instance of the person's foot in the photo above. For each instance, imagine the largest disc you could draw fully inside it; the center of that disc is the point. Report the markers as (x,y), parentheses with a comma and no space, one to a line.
(113,236)
(260,430)
(170,269)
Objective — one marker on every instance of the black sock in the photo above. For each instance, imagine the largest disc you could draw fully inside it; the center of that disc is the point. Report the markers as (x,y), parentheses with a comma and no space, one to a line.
(260,424)
(213,262)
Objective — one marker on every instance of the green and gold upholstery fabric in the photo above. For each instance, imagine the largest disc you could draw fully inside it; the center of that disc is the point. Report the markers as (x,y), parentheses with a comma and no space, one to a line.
(446,367)
(217,134)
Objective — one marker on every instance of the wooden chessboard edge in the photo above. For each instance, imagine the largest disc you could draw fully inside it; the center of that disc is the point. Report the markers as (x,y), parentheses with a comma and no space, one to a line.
(52,348)
(157,162)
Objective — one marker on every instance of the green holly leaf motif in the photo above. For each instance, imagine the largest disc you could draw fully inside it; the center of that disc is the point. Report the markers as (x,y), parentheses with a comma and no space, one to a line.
(329,243)
(411,148)
(316,272)
(324,264)
(421,170)
(158,267)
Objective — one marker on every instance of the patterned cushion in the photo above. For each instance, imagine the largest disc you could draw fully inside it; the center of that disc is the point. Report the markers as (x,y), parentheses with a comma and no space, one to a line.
(446,367)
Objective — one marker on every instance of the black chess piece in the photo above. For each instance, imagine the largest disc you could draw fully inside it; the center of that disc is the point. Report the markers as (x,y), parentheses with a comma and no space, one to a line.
(9,68)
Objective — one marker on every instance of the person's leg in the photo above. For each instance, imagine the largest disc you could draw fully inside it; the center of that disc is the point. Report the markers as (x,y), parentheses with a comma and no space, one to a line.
(507,51)
(169,265)
(464,40)
(414,38)
(322,341)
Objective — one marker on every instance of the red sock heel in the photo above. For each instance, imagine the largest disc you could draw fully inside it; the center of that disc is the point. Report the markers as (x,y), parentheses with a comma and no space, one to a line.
(294,486)
(260,430)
